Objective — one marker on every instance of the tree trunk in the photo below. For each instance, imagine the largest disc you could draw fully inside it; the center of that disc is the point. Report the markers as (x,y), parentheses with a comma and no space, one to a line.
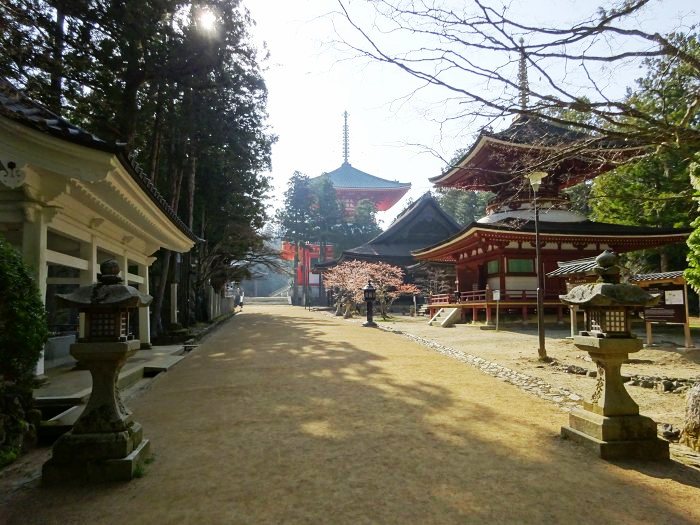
(190,193)
(156,134)
(691,431)
(339,306)
(134,77)
(56,90)
(157,309)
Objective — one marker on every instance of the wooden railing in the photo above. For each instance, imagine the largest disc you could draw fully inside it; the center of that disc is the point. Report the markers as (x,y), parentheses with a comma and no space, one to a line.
(487,295)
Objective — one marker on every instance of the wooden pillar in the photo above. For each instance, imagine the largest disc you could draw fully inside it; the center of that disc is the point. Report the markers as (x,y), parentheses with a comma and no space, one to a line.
(173,303)
(145,311)
(502,274)
(88,251)
(560,315)
(574,320)
(475,315)
(34,234)
(488,314)
(524,313)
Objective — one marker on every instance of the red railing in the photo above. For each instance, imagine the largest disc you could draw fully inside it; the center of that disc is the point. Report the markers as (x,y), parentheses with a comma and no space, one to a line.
(487,295)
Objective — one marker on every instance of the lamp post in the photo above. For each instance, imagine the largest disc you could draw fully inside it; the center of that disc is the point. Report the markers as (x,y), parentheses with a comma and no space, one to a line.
(535,181)
(370,294)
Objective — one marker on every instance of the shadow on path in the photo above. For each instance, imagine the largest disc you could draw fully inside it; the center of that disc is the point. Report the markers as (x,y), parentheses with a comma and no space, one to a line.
(284,416)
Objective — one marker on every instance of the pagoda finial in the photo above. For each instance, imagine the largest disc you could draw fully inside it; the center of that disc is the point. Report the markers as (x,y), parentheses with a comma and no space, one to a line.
(522,77)
(346,137)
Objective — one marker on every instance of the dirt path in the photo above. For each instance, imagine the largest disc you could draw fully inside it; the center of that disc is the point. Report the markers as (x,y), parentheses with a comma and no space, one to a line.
(286,416)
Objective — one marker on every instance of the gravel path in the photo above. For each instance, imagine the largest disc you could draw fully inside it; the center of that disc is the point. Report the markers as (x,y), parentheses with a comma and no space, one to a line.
(288,416)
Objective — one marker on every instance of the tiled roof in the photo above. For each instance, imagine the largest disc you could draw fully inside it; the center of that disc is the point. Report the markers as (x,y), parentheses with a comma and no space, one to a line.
(346,176)
(587,228)
(528,130)
(573,267)
(16,106)
(583,228)
(418,211)
(656,276)
(421,224)
(534,132)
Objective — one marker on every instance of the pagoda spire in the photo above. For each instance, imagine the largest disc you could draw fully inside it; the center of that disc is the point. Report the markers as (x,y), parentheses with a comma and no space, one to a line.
(346,141)
(523,84)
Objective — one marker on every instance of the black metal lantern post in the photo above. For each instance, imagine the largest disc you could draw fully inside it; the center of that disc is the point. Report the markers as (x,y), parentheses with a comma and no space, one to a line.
(370,294)
(535,181)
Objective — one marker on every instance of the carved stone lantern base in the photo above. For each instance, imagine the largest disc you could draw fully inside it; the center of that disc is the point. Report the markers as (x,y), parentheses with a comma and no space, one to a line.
(104,444)
(610,424)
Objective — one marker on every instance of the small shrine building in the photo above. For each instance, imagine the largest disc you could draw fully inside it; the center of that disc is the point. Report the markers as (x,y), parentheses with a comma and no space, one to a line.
(69,201)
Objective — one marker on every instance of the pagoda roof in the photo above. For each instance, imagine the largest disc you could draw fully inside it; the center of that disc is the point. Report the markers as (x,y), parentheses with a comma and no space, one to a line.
(18,107)
(533,144)
(349,177)
(625,238)
(421,224)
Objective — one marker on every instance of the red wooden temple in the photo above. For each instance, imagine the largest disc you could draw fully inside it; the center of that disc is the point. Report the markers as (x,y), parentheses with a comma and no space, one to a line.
(498,251)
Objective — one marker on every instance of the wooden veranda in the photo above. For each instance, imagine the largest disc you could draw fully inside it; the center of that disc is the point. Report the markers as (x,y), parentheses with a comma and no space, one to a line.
(480,306)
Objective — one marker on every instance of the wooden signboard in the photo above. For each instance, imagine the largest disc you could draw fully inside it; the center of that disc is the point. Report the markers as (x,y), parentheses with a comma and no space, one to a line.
(673,304)
(671,307)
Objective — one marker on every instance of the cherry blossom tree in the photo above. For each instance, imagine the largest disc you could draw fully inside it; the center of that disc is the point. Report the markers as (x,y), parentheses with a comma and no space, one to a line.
(349,279)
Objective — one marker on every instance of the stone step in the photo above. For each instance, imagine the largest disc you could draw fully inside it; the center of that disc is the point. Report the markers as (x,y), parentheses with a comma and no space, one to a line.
(161,364)
(266,300)
(51,430)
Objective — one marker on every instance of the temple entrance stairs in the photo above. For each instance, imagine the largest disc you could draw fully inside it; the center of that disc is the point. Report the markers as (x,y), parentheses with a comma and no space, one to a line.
(445,317)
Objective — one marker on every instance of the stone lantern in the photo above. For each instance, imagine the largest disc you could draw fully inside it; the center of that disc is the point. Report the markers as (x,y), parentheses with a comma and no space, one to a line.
(105,444)
(610,423)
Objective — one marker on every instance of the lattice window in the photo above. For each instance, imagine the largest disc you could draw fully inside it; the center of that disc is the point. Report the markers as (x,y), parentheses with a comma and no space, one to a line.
(615,321)
(595,320)
(608,321)
(102,324)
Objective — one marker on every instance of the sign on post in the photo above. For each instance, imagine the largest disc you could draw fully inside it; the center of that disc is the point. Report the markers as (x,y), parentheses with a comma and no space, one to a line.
(497,298)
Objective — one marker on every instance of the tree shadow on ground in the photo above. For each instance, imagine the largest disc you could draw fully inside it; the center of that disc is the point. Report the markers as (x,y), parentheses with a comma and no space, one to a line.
(300,418)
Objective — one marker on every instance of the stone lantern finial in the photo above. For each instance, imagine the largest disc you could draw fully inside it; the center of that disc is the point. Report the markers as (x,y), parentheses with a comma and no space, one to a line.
(109,272)
(607,269)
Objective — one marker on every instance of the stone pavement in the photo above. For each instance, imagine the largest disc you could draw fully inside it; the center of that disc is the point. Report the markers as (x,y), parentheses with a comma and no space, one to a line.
(290,416)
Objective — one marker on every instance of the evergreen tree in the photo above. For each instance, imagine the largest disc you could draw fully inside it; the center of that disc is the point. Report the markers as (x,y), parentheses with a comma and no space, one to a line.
(188,100)
(296,218)
(464,206)
(328,216)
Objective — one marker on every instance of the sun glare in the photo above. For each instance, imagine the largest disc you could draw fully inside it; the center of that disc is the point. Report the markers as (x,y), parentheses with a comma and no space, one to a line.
(207,20)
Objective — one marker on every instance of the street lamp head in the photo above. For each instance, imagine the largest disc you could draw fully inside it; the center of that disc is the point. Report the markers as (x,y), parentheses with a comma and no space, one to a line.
(535,179)
(369,291)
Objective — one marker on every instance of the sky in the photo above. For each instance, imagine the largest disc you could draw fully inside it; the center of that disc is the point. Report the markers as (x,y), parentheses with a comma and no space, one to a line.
(394,130)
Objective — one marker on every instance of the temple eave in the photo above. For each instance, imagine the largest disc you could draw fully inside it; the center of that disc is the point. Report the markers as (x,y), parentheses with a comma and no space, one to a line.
(483,243)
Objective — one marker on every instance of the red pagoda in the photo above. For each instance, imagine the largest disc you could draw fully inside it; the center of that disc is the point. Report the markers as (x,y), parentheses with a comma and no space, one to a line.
(352,185)
(498,251)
